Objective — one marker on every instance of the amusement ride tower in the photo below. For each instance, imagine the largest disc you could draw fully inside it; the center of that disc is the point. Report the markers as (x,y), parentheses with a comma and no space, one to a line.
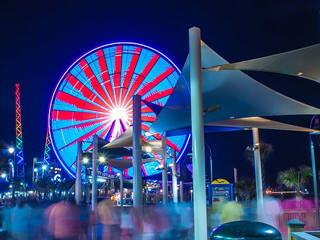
(19,158)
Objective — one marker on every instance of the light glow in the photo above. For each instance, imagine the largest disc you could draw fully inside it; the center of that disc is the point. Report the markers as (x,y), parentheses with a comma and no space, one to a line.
(11,150)
(85,160)
(148,149)
(102,159)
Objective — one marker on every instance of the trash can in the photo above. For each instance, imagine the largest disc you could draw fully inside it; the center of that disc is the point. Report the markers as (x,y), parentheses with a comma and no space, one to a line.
(245,230)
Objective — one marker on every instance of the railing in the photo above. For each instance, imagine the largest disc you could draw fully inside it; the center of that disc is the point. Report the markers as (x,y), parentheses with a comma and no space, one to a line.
(308,216)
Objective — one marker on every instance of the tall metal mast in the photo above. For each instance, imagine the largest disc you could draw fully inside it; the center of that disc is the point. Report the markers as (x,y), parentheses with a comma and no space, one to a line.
(47,150)
(19,143)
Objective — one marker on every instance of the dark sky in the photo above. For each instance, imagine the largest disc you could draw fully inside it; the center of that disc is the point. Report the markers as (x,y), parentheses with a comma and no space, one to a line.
(39,40)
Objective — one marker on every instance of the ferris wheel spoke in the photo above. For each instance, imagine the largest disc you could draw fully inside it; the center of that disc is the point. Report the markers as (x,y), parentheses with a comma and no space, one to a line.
(76,116)
(85,136)
(139,78)
(146,109)
(85,125)
(96,85)
(78,103)
(144,171)
(86,92)
(123,127)
(106,134)
(117,73)
(158,95)
(105,76)
(129,73)
(148,118)
(148,86)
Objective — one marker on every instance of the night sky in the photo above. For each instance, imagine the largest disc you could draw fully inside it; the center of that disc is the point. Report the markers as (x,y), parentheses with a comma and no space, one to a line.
(40,40)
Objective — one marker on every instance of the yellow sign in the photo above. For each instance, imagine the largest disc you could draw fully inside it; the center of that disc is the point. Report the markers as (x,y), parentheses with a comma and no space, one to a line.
(220,181)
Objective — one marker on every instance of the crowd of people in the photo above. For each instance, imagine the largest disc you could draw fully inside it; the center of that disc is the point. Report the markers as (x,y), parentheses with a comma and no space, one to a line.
(32,219)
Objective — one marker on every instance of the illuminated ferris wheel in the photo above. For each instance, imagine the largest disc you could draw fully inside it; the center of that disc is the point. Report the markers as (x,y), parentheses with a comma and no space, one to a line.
(94,96)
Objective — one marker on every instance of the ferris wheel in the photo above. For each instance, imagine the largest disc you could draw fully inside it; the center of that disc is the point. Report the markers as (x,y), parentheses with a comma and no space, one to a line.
(94,96)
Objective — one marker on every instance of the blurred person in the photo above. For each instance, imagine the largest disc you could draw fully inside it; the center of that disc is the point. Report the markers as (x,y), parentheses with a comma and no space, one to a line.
(160,219)
(231,211)
(6,216)
(185,212)
(64,221)
(108,220)
(126,225)
(20,219)
(270,212)
(149,224)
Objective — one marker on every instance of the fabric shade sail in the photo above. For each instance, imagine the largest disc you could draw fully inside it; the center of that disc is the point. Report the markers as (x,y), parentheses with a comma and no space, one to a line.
(126,141)
(229,94)
(244,124)
(123,164)
(303,62)
(262,123)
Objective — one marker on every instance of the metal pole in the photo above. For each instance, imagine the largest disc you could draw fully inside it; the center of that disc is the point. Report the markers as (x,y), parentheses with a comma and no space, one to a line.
(198,156)
(211,166)
(164,171)
(78,190)
(174,176)
(121,188)
(180,183)
(33,173)
(257,166)
(137,177)
(181,191)
(94,172)
(314,176)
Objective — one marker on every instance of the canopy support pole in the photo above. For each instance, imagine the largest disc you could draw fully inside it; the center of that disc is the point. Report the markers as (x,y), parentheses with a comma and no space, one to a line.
(78,190)
(174,176)
(314,177)
(181,191)
(121,188)
(257,167)
(137,176)
(94,172)
(198,156)
(164,171)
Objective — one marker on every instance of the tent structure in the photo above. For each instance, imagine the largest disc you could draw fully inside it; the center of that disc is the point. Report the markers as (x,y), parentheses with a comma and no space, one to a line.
(213,97)
(226,95)
(123,164)
(126,141)
(301,62)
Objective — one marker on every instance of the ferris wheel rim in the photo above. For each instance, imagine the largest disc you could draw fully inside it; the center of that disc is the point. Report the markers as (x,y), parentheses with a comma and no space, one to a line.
(53,97)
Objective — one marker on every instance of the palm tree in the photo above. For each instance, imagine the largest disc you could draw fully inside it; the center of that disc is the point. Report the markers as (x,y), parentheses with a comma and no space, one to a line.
(295,178)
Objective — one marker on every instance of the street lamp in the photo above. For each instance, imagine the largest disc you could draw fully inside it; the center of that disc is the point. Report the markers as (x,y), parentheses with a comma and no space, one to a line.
(85,160)
(102,159)
(11,150)
(148,149)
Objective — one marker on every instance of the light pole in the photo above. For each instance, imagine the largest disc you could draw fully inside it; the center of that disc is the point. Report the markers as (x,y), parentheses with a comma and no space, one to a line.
(87,185)
(12,150)
(211,164)
(44,168)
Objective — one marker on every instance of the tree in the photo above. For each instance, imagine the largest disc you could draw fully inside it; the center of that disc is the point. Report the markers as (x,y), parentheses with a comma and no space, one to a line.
(266,150)
(295,178)
(245,189)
